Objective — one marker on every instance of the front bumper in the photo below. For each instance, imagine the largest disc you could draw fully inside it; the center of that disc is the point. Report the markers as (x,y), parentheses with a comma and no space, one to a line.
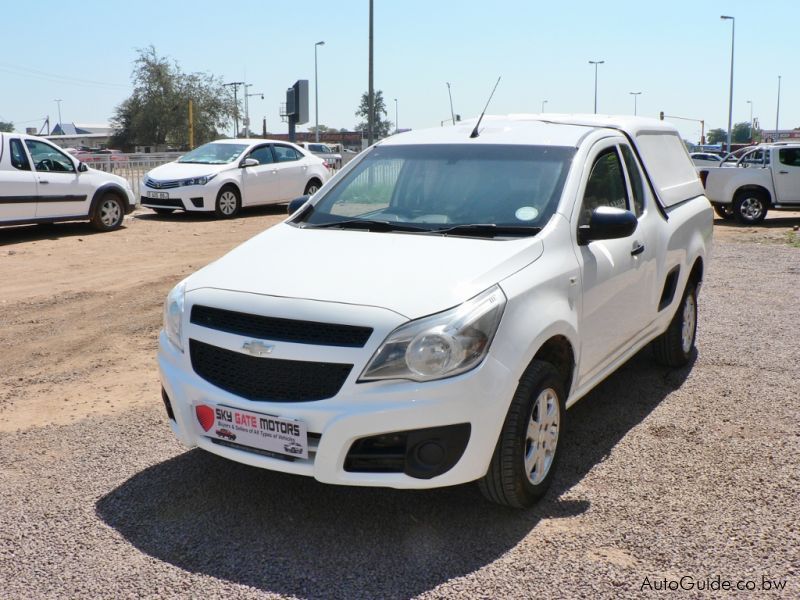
(479,398)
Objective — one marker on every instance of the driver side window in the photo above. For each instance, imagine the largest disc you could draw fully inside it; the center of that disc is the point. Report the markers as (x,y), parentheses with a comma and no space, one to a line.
(47,158)
(605,187)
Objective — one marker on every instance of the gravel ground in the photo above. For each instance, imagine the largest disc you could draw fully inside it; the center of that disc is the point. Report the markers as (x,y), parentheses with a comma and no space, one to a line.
(664,474)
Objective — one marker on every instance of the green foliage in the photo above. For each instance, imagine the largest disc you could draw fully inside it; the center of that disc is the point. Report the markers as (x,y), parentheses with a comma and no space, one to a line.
(157,113)
(380,125)
(6,126)
(741,133)
(716,136)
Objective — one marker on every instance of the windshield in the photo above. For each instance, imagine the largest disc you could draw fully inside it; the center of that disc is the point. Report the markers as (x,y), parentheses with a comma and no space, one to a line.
(449,188)
(214,154)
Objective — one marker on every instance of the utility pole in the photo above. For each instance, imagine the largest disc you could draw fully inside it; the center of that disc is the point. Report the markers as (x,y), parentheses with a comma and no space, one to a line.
(595,63)
(316,93)
(235,85)
(730,95)
(543,103)
(371,92)
(247,107)
(60,126)
(191,126)
(778,111)
(452,114)
(396,120)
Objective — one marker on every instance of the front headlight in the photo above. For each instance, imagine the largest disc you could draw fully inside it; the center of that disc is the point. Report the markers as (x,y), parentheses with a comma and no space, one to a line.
(173,314)
(198,180)
(441,345)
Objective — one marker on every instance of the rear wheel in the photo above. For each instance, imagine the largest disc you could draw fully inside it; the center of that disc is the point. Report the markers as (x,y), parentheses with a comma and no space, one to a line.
(750,207)
(312,187)
(228,203)
(525,457)
(108,213)
(674,347)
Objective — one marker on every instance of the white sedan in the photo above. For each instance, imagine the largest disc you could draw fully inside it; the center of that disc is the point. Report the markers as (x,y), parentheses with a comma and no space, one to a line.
(225,175)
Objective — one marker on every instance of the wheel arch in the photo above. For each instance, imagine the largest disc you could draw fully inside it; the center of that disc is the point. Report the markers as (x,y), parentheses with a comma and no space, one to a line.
(113,188)
(753,188)
(559,352)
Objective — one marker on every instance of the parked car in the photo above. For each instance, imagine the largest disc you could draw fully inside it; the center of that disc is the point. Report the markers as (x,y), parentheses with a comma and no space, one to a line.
(765,177)
(332,158)
(226,175)
(706,159)
(431,313)
(41,183)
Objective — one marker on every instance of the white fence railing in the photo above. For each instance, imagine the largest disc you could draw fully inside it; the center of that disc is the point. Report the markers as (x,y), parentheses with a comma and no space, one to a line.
(130,166)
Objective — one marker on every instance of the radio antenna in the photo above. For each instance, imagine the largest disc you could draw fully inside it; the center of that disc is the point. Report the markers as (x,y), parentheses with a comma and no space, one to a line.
(474,133)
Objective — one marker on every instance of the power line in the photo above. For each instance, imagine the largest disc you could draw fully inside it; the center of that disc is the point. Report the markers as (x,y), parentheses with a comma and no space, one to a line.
(54,77)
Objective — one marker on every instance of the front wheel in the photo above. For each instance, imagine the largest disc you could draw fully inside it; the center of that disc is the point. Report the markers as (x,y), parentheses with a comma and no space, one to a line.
(228,203)
(108,213)
(750,208)
(312,188)
(674,347)
(524,459)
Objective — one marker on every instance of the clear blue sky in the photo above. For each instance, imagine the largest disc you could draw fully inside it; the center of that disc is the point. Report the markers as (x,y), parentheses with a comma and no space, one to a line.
(676,52)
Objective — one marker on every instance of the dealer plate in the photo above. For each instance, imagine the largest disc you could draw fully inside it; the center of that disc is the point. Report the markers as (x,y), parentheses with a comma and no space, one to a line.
(252,429)
(158,195)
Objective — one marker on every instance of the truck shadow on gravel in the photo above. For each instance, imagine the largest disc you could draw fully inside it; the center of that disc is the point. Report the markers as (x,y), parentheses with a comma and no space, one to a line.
(49,231)
(291,535)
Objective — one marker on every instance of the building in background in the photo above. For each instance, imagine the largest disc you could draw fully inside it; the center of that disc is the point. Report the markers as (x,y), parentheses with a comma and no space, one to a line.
(74,135)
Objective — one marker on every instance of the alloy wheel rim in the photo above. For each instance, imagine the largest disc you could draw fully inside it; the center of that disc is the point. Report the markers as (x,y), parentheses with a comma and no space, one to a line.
(109,213)
(312,189)
(227,203)
(689,320)
(541,437)
(751,208)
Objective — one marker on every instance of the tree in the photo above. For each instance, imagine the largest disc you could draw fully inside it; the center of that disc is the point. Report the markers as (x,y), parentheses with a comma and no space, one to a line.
(6,126)
(323,129)
(741,133)
(381,127)
(157,113)
(717,136)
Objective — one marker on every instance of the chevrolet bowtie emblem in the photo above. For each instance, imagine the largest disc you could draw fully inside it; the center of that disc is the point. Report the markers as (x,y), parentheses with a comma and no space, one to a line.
(257,348)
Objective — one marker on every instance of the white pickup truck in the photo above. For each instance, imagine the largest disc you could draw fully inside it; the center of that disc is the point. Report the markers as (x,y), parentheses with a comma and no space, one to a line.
(426,318)
(766,177)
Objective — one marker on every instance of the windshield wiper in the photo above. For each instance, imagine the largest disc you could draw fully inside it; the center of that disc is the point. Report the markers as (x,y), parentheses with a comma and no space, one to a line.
(489,230)
(367,224)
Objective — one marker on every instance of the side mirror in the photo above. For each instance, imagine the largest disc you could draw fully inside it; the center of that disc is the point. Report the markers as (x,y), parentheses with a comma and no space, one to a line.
(249,162)
(607,223)
(82,167)
(296,204)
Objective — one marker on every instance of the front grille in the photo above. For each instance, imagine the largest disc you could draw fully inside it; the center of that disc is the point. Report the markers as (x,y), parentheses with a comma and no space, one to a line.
(161,185)
(280,330)
(161,202)
(267,379)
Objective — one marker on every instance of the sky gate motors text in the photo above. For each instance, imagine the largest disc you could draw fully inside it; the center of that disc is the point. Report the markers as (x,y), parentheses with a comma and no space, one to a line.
(261,423)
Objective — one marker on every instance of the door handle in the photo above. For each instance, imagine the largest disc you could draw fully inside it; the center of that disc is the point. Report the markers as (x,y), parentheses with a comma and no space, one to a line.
(638,248)
(44,181)
(783,172)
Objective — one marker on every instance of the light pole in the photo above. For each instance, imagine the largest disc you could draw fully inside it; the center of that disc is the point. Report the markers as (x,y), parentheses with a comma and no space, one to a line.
(247,107)
(396,121)
(750,102)
(60,126)
(778,111)
(452,114)
(595,63)
(635,108)
(730,97)
(316,93)
(543,103)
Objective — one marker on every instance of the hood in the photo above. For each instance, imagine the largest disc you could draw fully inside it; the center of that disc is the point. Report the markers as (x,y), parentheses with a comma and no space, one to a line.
(176,170)
(411,274)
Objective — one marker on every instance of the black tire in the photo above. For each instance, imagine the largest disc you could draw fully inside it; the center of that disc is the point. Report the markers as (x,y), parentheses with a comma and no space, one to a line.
(229,202)
(108,212)
(724,211)
(674,347)
(509,481)
(312,187)
(164,211)
(750,207)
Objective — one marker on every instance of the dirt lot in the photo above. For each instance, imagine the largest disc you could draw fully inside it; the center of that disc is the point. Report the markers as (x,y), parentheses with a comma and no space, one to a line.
(96,498)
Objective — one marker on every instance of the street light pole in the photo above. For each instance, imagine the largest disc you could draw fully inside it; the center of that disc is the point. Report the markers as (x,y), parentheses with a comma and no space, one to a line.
(750,102)
(595,63)
(730,97)
(543,103)
(371,89)
(635,108)
(452,114)
(396,120)
(778,111)
(247,106)
(60,126)
(316,93)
